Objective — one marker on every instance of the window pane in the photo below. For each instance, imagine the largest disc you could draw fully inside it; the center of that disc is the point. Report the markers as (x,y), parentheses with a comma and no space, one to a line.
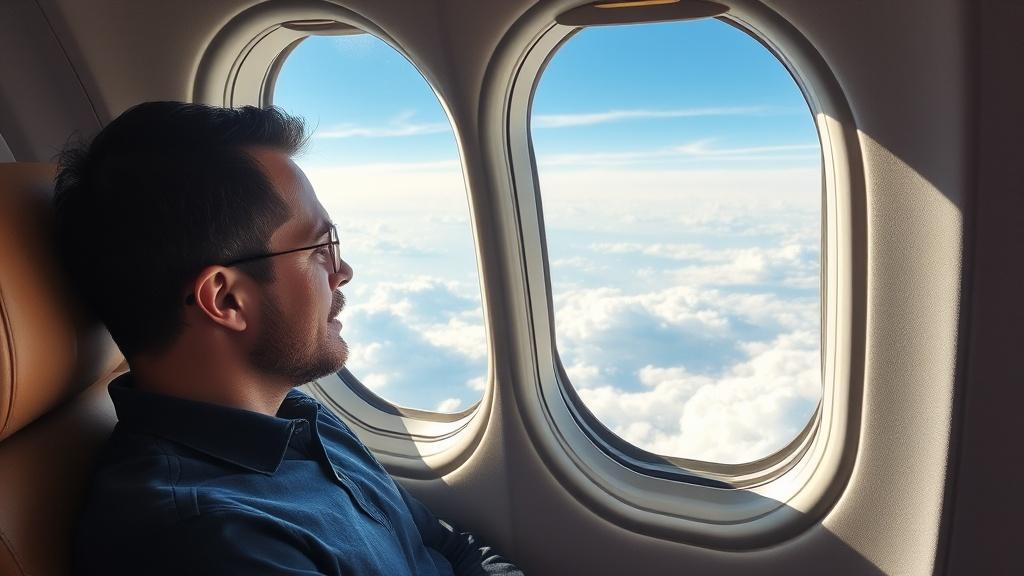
(680,173)
(384,163)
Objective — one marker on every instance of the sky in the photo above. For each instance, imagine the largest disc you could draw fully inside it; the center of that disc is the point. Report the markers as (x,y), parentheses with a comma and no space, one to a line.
(680,177)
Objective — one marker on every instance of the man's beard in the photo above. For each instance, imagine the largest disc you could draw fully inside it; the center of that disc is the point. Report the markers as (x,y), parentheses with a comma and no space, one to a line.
(289,350)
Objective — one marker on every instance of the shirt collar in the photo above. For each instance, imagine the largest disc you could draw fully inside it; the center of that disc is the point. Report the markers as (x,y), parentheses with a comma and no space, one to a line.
(248,439)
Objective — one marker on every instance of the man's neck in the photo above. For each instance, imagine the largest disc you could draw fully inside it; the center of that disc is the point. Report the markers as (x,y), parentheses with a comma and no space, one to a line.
(221,382)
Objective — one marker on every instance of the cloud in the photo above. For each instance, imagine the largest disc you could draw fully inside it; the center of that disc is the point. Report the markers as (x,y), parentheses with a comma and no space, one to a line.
(685,370)
(383,194)
(467,338)
(582,313)
(693,372)
(394,224)
(629,355)
(423,300)
(767,207)
(352,131)
(698,151)
(591,118)
(479,383)
(448,405)
(617,331)
(353,45)
(583,375)
(367,354)
(752,410)
(613,329)
(703,148)
(666,250)
(686,303)
(375,380)
(342,172)
(420,342)
(573,270)
(745,202)
(789,264)
(400,126)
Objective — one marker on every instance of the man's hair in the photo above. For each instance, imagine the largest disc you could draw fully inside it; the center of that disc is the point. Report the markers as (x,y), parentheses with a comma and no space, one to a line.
(161,192)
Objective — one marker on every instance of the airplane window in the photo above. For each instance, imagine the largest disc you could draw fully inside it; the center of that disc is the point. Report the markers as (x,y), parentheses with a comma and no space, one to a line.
(384,162)
(680,173)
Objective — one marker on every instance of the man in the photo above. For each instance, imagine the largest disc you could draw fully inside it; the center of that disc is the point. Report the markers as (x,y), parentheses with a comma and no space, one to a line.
(193,236)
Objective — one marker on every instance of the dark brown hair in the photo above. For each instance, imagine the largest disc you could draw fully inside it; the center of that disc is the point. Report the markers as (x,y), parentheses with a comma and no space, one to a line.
(161,192)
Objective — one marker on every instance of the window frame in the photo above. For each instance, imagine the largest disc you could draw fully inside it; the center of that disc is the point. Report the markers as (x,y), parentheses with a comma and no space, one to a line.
(240,67)
(762,502)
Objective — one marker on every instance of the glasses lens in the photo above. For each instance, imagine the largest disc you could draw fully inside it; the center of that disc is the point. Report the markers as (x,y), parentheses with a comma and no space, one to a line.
(335,250)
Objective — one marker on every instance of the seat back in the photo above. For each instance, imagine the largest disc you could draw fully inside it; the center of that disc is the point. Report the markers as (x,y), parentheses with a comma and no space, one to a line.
(54,364)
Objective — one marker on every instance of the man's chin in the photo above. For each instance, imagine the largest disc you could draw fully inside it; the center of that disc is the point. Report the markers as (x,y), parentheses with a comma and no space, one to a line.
(324,366)
(342,353)
(335,358)
(329,359)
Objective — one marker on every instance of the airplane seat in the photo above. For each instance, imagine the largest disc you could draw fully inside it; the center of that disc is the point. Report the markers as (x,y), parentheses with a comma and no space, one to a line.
(54,365)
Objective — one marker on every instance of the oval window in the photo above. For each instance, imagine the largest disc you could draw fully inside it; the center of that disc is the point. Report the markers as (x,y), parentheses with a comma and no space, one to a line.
(680,172)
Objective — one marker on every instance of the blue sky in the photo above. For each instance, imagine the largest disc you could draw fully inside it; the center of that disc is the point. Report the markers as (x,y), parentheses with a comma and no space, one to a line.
(680,176)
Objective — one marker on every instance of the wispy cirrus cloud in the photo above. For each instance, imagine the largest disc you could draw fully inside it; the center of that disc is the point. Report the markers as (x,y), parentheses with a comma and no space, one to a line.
(704,148)
(350,131)
(697,150)
(399,126)
(604,117)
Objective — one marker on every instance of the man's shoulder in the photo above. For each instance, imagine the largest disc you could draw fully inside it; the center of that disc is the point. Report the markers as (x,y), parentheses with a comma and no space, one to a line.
(136,475)
(146,491)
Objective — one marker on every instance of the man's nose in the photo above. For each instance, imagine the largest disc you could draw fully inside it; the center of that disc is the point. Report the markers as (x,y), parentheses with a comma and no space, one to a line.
(342,276)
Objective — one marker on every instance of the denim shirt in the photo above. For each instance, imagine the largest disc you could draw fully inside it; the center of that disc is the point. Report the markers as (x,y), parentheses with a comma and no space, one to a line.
(186,487)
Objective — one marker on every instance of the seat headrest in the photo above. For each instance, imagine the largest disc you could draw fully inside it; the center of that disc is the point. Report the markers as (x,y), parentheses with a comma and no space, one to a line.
(48,352)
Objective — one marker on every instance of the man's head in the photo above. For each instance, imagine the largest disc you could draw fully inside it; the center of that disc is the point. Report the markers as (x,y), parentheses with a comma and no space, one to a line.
(151,213)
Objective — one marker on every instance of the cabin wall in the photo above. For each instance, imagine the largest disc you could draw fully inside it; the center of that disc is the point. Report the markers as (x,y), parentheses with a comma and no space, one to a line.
(905,73)
(986,501)
(41,99)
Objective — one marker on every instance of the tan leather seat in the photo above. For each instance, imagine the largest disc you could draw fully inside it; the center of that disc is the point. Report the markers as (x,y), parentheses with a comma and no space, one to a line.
(54,409)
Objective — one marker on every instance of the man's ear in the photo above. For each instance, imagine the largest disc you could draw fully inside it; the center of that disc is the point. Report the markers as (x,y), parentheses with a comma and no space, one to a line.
(222,295)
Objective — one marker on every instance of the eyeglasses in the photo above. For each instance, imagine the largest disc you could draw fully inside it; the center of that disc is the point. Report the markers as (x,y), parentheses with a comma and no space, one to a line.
(333,244)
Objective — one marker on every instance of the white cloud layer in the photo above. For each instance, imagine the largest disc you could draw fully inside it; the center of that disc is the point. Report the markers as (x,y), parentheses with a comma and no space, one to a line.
(753,409)
(686,302)
(448,405)
(400,126)
(419,343)
(790,264)
(698,151)
(603,117)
